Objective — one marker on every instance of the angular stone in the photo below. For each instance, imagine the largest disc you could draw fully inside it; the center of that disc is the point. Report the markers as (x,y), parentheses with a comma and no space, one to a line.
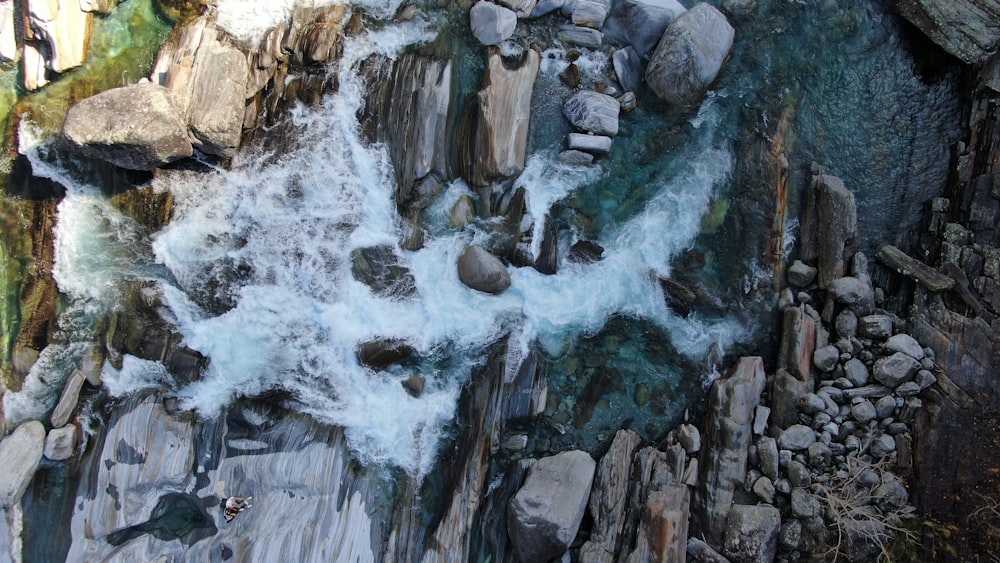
(491,24)
(582,36)
(786,391)
(382,353)
(92,364)
(908,389)
(703,553)
(628,69)
(767,456)
(913,268)
(545,514)
(379,268)
(588,13)
(609,498)
(867,392)
(864,412)
(105,127)
(856,372)
(885,406)
(906,344)
(463,213)
(689,55)
(662,534)
(545,7)
(846,324)
(482,271)
(800,274)
(752,533)
(60,443)
(689,438)
(855,293)
(924,379)
(595,144)
(593,112)
(68,400)
(790,536)
(895,369)
(760,417)
(764,489)
(890,495)
(521,7)
(796,437)
(882,446)
(875,326)
(804,504)
(798,475)
(20,453)
(819,455)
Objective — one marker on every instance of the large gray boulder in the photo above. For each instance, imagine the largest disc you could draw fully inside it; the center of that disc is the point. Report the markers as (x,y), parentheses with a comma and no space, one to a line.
(545,514)
(492,24)
(138,127)
(752,534)
(968,29)
(641,23)
(593,112)
(20,453)
(480,270)
(690,54)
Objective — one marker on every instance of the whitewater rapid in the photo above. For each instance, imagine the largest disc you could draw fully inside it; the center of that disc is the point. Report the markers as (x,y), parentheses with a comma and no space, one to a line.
(287,223)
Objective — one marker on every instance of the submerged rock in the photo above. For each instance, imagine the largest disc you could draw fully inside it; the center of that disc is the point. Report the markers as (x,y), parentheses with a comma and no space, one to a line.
(138,127)
(690,54)
(545,514)
(379,268)
(380,354)
(20,453)
(480,270)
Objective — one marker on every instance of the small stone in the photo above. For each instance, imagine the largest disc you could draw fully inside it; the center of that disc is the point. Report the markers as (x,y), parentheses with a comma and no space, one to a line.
(885,406)
(491,24)
(810,403)
(819,455)
(576,158)
(800,274)
(588,13)
(463,213)
(908,389)
(516,442)
(414,385)
(846,324)
(890,496)
(582,36)
(796,437)
(804,504)
(761,415)
(594,144)
(61,442)
(767,456)
(627,101)
(784,458)
(752,532)
(924,379)
(867,392)
(804,298)
(875,326)
(906,344)
(791,535)
(764,488)
(825,358)
(798,475)
(896,369)
(882,446)
(852,443)
(897,428)
(856,372)
(863,411)
(68,400)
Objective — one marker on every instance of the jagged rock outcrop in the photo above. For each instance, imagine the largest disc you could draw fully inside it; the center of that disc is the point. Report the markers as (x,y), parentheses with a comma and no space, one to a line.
(20,453)
(480,270)
(138,127)
(63,27)
(968,29)
(690,54)
(208,77)
(726,439)
(500,129)
(545,514)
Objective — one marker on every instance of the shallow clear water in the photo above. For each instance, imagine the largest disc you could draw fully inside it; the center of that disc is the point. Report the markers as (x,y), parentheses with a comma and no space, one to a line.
(256,264)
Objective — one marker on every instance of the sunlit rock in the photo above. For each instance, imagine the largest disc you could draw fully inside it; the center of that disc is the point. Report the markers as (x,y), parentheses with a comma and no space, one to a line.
(690,54)
(138,127)
(64,26)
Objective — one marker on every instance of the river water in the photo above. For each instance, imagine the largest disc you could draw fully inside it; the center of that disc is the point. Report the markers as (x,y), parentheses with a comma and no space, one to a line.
(271,238)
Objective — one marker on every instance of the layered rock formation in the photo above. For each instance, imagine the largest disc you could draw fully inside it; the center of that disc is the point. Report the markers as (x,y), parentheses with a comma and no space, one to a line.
(968,29)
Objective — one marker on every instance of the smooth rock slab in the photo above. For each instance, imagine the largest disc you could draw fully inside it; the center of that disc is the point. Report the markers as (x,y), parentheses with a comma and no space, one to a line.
(593,112)
(545,514)
(492,24)
(582,36)
(480,270)
(20,453)
(689,55)
(138,127)
(594,144)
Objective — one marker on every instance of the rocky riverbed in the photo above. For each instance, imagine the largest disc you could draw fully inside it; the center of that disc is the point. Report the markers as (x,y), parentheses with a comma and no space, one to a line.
(859,424)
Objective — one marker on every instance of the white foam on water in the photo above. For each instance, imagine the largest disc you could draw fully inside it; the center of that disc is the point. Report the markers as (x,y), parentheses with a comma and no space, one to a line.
(136,374)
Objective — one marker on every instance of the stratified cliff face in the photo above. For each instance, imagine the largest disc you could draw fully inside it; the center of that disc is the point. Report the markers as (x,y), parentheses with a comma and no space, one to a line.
(968,29)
